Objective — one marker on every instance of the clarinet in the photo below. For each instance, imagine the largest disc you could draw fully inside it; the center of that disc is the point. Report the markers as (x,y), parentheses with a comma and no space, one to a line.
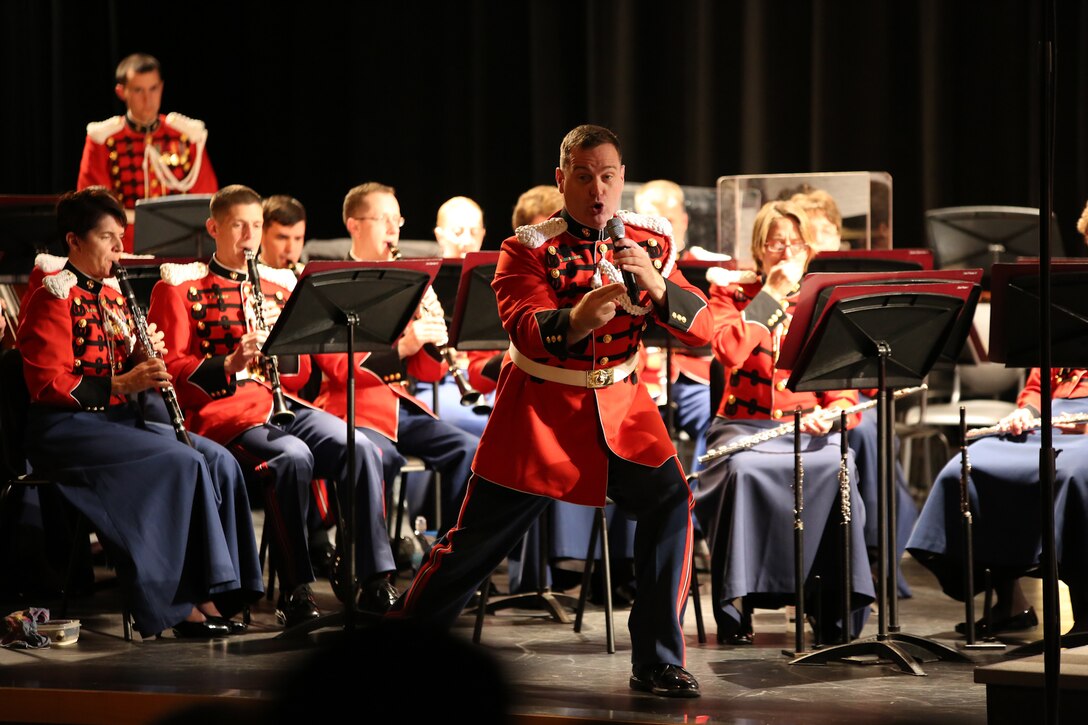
(281,414)
(742,444)
(139,322)
(432,307)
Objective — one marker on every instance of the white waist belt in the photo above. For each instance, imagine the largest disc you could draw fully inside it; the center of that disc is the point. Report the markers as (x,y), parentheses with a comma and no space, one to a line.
(601,378)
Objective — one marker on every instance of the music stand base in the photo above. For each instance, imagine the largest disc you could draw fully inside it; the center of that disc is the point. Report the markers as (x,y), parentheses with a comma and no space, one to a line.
(555,604)
(333,619)
(902,650)
(982,646)
(1072,639)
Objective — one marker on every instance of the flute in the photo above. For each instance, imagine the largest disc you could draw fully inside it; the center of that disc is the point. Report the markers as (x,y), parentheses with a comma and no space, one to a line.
(1034,424)
(747,442)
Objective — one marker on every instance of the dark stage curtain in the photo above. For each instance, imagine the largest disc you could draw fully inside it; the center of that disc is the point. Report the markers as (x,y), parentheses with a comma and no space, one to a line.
(473,97)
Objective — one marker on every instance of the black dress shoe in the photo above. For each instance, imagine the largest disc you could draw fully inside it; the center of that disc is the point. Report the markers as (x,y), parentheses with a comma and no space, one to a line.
(377,596)
(297,607)
(736,639)
(200,630)
(321,557)
(232,626)
(1013,623)
(737,633)
(665,680)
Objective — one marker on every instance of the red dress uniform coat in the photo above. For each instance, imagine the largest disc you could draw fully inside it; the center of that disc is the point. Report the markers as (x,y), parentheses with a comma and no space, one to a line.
(83,336)
(44,265)
(751,326)
(1064,383)
(547,437)
(381,385)
(483,368)
(143,163)
(203,311)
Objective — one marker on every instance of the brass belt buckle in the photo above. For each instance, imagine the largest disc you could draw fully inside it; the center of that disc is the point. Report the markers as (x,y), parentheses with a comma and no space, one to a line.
(599,378)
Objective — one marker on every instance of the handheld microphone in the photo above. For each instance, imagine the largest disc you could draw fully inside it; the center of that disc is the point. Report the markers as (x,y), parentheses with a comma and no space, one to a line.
(614,228)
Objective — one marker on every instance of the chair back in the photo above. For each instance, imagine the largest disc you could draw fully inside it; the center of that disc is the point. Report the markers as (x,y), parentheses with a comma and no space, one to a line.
(14,407)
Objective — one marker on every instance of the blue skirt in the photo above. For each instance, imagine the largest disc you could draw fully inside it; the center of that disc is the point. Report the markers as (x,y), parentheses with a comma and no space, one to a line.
(745,504)
(179,533)
(1003,490)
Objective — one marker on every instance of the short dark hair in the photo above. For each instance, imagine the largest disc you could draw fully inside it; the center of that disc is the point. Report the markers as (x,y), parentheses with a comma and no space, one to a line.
(78,212)
(229,196)
(136,63)
(355,197)
(283,209)
(586,136)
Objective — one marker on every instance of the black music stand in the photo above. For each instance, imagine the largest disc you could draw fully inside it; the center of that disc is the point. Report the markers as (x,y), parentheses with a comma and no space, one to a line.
(477,326)
(144,274)
(981,236)
(1015,341)
(173,226)
(344,307)
(872,260)
(28,226)
(885,333)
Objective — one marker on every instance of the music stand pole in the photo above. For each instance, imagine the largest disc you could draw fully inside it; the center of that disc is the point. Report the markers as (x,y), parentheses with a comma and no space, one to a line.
(348,582)
(798,542)
(322,315)
(967,523)
(476,326)
(859,326)
(844,511)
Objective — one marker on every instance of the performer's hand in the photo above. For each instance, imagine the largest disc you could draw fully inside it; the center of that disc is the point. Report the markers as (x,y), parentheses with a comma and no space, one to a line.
(816,426)
(419,332)
(594,310)
(784,276)
(632,258)
(148,374)
(271,312)
(1017,421)
(1072,428)
(248,349)
(157,339)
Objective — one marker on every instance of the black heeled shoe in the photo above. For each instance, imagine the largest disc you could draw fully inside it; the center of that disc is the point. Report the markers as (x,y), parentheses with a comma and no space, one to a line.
(232,626)
(200,630)
(740,633)
(1013,623)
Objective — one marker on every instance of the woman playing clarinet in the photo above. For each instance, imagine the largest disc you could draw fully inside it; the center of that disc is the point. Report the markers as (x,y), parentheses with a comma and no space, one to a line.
(745,502)
(175,518)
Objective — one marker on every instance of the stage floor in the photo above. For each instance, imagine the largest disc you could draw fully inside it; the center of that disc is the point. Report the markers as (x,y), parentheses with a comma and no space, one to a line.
(554,674)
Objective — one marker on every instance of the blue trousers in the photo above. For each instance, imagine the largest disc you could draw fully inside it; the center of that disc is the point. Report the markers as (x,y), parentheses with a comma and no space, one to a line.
(443,447)
(285,459)
(493,519)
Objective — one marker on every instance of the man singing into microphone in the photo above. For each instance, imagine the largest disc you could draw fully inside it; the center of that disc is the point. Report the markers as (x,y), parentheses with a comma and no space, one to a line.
(570,408)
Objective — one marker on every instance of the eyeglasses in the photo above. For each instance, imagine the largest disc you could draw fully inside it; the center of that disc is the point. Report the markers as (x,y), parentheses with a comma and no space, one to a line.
(397,221)
(777,246)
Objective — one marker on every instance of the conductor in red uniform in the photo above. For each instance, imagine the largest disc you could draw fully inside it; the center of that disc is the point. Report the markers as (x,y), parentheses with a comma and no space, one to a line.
(570,421)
